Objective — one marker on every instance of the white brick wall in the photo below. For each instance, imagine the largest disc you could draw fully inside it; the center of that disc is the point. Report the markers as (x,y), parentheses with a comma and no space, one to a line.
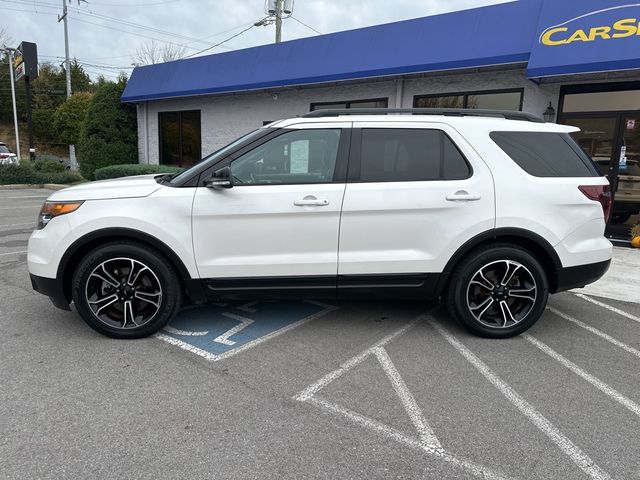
(227,117)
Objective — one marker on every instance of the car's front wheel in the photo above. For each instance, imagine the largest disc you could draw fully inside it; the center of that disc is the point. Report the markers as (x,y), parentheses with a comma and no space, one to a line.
(498,292)
(126,290)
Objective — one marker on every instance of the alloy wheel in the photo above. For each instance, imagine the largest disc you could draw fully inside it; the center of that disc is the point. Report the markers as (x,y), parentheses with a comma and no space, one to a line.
(123,293)
(501,294)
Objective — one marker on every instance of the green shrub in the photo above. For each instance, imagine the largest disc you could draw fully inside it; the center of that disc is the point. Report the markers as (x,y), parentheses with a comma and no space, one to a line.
(23,173)
(48,166)
(117,171)
(109,134)
(26,173)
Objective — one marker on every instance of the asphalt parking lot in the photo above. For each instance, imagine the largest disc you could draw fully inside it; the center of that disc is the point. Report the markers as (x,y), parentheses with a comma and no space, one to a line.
(312,390)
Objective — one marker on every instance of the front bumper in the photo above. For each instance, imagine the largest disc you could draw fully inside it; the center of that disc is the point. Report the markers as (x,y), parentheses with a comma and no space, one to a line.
(52,288)
(580,275)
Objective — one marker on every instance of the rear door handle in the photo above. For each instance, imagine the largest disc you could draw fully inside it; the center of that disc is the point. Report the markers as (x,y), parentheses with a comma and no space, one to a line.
(311,201)
(463,196)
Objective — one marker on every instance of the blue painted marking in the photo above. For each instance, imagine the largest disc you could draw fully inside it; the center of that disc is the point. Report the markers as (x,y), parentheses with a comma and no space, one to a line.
(269,317)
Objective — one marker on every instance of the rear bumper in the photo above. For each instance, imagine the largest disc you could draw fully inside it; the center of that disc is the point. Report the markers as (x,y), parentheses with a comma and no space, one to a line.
(52,288)
(580,275)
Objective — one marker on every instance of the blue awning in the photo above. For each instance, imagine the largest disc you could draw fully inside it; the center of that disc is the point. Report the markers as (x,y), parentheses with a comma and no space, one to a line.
(586,37)
(554,37)
(493,35)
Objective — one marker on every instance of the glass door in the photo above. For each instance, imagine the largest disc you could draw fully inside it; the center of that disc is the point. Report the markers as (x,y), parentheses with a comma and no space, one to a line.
(626,200)
(613,141)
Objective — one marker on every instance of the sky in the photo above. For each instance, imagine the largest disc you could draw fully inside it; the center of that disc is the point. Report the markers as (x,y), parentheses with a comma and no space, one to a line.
(105,34)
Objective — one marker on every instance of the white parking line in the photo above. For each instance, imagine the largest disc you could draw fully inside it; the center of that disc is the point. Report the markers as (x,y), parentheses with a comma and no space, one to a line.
(581,459)
(427,437)
(608,307)
(18,224)
(224,338)
(184,333)
(308,392)
(13,253)
(392,433)
(427,442)
(595,331)
(21,206)
(600,385)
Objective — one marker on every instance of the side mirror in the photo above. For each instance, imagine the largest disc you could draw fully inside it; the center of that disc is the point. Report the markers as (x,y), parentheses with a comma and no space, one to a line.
(221,179)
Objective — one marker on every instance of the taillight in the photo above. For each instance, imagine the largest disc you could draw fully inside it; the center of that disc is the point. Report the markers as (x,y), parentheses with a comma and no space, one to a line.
(600,193)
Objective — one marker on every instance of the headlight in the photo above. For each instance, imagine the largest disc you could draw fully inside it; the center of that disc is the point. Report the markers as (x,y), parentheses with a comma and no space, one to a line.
(55,209)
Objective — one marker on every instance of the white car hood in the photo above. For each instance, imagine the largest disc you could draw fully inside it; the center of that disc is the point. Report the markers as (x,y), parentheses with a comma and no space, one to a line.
(127,187)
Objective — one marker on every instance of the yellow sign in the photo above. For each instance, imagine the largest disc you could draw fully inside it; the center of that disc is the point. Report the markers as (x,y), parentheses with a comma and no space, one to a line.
(626,27)
(17,60)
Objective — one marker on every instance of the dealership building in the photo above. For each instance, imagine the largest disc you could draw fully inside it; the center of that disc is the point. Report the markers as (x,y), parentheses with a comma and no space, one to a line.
(573,62)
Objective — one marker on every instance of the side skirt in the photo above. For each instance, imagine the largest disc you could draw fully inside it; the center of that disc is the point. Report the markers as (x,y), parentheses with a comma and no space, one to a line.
(386,286)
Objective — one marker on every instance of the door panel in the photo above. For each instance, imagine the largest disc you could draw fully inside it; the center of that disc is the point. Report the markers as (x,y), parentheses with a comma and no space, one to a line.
(281,217)
(412,226)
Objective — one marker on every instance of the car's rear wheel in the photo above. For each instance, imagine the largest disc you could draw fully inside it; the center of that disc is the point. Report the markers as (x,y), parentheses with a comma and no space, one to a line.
(498,291)
(126,290)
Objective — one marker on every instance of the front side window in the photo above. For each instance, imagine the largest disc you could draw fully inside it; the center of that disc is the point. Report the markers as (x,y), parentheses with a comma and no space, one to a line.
(298,156)
(546,154)
(404,155)
(180,138)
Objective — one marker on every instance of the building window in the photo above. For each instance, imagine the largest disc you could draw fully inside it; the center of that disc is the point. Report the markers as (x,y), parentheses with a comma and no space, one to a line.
(180,138)
(492,100)
(371,103)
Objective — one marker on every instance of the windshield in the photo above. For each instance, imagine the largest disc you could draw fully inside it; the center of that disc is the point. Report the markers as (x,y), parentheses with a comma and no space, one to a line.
(215,156)
(4,149)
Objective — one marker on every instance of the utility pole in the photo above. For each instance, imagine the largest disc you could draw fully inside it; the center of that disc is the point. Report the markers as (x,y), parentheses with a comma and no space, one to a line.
(67,66)
(13,99)
(278,21)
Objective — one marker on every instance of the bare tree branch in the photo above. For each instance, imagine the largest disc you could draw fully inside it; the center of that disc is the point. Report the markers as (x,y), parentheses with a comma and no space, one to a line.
(152,52)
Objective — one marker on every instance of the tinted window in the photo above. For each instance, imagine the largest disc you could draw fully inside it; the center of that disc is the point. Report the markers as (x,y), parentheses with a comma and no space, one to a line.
(396,155)
(299,156)
(546,154)
(4,149)
(179,138)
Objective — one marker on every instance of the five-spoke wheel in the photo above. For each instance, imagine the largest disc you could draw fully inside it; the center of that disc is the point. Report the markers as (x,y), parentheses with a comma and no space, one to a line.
(126,290)
(124,293)
(498,291)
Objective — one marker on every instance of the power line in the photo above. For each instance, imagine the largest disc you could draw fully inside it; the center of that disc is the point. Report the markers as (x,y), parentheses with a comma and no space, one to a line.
(223,41)
(308,26)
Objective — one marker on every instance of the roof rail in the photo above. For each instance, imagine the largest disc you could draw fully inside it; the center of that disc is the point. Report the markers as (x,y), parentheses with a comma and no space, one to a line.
(452,112)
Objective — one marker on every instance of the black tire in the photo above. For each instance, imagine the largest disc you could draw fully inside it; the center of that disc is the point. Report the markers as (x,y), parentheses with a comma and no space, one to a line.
(480,309)
(150,291)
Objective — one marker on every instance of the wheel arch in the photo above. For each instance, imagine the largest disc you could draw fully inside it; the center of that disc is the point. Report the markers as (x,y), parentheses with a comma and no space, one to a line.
(88,242)
(530,241)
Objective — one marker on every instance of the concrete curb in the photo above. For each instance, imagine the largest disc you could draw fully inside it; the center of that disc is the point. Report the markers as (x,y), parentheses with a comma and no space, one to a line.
(21,186)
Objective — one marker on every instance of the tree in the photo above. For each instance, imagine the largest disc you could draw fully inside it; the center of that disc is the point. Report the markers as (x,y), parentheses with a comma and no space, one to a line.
(109,134)
(152,52)
(70,116)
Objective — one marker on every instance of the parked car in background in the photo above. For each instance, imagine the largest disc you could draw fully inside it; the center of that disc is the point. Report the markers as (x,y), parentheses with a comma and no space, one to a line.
(6,156)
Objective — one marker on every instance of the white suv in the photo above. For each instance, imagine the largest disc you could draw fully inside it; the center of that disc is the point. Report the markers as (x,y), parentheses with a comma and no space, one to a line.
(490,211)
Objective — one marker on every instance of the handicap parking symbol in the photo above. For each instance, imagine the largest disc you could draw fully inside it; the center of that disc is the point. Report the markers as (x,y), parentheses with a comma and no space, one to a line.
(218,331)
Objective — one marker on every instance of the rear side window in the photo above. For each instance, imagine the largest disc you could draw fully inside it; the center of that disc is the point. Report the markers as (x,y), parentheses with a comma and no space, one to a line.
(546,154)
(400,155)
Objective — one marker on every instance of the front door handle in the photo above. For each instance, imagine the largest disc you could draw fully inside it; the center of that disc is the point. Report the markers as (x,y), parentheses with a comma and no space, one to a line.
(311,201)
(463,196)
